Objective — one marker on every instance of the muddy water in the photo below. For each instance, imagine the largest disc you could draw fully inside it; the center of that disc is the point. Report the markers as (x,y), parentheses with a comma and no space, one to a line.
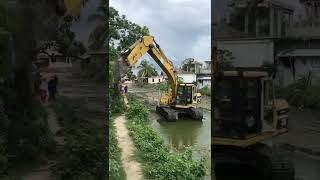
(186,132)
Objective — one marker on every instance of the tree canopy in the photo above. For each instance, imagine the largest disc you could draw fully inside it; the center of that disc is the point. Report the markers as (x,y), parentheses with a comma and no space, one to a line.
(146,70)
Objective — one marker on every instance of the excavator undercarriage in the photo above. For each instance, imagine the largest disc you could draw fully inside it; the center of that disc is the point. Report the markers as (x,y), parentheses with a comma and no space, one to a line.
(173,114)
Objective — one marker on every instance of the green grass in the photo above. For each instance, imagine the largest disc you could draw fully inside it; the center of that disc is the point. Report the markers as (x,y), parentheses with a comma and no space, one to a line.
(205,91)
(158,161)
(84,154)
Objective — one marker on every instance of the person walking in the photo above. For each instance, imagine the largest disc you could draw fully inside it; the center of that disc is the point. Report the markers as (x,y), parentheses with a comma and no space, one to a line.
(43,90)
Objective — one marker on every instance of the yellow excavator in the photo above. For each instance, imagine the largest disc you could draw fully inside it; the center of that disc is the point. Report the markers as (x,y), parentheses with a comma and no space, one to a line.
(246,116)
(181,99)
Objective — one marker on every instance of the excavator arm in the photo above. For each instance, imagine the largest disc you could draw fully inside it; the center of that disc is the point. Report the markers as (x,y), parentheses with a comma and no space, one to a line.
(147,44)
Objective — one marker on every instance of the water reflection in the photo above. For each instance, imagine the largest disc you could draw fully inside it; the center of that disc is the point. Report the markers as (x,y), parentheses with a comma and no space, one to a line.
(181,133)
(185,132)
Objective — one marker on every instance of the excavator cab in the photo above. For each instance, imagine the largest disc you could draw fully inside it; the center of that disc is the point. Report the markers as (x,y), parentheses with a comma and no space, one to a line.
(186,94)
(245,106)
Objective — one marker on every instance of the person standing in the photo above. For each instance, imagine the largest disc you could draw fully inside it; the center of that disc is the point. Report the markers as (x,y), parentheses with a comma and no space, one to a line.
(55,79)
(51,89)
(43,90)
(122,89)
(125,89)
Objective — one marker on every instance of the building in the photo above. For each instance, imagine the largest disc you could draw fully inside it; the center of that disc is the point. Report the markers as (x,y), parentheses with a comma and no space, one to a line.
(297,58)
(204,76)
(155,79)
(52,59)
(190,65)
(272,38)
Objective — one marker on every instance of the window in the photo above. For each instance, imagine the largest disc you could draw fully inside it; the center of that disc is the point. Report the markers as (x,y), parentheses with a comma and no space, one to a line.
(159,80)
(152,79)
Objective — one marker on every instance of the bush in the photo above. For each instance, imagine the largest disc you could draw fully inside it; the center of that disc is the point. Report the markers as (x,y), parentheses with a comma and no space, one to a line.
(85,151)
(159,162)
(84,154)
(205,91)
(162,86)
(116,104)
(138,111)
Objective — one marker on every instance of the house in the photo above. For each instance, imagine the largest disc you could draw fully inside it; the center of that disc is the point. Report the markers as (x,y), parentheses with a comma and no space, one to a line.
(186,77)
(274,39)
(297,58)
(191,65)
(52,59)
(155,79)
(204,76)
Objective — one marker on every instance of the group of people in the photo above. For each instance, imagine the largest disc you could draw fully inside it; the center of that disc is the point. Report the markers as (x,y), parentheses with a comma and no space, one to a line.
(45,89)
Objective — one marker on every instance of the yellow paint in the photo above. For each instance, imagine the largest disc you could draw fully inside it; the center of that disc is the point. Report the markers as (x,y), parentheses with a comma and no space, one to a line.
(73,7)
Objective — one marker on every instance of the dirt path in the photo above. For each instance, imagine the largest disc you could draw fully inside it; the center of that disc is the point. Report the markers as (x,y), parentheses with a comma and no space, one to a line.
(43,172)
(131,167)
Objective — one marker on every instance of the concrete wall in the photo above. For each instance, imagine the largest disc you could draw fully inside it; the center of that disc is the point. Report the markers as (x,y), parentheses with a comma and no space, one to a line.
(155,79)
(249,53)
(303,65)
(188,78)
(203,82)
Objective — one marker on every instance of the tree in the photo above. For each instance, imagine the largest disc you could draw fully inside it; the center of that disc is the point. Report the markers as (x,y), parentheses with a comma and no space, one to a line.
(130,75)
(224,60)
(146,70)
(125,33)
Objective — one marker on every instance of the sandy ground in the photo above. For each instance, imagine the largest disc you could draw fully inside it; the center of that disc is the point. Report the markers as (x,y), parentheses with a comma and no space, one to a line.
(131,167)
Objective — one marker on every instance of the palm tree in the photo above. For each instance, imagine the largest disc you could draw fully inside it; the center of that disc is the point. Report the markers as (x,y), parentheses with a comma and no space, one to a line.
(146,70)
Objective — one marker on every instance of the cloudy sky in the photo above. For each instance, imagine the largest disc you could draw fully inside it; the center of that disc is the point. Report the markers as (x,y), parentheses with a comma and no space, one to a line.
(181,27)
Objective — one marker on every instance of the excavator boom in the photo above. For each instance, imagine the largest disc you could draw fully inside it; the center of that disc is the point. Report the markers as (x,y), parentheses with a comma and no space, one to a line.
(147,44)
(180,99)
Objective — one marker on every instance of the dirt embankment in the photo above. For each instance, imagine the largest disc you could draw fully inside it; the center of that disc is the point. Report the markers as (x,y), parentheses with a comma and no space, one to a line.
(151,94)
(131,167)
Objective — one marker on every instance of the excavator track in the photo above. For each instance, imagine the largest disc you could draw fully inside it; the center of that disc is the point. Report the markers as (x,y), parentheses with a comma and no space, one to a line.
(259,161)
(196,114)
(168,113)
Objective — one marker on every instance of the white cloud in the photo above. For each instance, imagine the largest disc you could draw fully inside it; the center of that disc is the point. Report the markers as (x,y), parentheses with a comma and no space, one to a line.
(179,26)
(201,49)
